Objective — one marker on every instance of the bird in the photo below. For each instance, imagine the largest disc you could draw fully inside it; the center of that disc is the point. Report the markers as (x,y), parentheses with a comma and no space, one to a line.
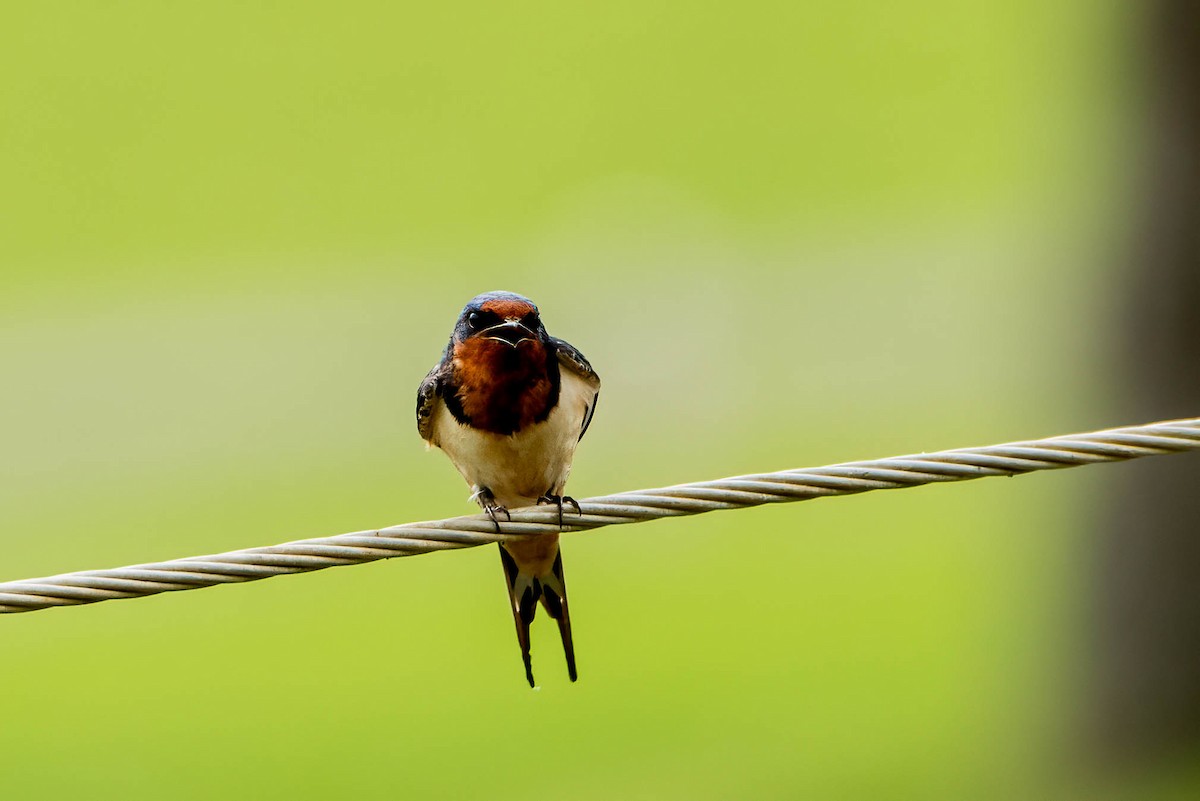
(508,404)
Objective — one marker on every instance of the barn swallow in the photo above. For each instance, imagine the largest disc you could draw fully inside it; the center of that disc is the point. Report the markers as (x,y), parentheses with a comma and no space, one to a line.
(508,403)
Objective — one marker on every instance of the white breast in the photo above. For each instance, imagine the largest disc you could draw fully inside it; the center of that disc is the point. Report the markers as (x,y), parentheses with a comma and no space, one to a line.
(522,467)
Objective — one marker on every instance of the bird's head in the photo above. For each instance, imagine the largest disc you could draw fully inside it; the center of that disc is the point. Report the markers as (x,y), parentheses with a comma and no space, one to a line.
(504,366)
(499,317)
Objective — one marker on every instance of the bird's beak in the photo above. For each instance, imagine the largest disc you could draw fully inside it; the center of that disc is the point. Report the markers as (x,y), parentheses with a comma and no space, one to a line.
(510,332)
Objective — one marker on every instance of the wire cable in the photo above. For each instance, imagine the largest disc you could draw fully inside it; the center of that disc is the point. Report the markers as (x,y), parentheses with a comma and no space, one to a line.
(737,492)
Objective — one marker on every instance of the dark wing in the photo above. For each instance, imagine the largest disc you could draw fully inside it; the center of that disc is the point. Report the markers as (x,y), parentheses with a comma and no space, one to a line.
(427,401)
(573,360)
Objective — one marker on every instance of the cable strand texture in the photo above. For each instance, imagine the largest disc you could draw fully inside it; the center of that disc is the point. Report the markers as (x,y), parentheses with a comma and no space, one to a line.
(737,492)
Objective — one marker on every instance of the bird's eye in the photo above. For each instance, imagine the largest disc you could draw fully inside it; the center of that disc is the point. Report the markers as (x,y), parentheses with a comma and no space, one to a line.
(473,319)
(530,321)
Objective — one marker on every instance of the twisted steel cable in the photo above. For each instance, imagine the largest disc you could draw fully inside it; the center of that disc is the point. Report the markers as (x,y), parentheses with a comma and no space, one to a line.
(737,492)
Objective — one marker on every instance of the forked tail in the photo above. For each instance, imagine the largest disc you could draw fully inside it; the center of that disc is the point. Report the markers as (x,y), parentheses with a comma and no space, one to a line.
(524,593)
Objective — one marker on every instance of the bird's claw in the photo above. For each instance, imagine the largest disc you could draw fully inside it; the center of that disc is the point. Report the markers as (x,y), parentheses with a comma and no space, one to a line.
(559,500)
(567,499)
(484,497)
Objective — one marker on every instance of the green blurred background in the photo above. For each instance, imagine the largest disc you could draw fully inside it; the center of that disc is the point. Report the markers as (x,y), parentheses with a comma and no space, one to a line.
(235,236)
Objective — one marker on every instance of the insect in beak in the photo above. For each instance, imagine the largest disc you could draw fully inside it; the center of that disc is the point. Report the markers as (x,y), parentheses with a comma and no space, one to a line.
(510,332)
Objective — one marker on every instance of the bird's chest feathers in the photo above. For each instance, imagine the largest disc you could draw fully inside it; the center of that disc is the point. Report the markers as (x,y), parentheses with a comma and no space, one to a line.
(501,389)
(523,465)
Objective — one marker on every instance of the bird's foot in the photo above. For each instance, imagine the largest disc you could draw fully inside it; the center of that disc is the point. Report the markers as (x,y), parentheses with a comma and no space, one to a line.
(484,497)
(559,500)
